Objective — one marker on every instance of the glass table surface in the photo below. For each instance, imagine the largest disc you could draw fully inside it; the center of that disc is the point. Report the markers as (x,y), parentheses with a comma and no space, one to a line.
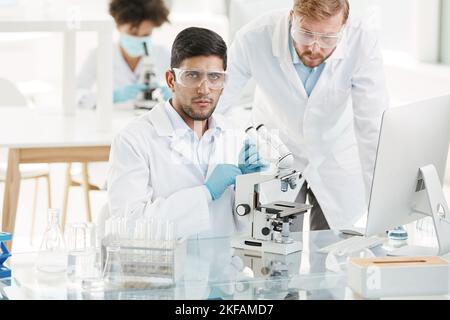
(212,269)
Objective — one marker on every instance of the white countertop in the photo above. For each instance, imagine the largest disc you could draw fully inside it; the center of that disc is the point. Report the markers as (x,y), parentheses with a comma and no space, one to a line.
(22,127)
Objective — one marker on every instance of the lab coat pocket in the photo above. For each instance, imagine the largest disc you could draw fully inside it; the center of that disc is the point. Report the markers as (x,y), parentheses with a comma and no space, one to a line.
(348,159)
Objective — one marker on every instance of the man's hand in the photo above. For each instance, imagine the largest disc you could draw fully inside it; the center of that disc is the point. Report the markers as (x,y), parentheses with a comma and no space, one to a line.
(223,176)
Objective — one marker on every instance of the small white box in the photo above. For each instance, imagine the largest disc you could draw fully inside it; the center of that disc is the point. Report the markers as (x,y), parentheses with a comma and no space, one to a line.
(398,276)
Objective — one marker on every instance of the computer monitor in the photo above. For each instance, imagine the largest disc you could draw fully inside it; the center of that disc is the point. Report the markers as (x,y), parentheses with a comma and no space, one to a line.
(411,137)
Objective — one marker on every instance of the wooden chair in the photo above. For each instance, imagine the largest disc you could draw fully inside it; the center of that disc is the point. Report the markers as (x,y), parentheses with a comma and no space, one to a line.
(12,97)
(77,178)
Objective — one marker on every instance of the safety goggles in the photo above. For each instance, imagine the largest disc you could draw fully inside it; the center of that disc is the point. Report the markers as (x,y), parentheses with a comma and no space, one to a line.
(194,78)
(308,38)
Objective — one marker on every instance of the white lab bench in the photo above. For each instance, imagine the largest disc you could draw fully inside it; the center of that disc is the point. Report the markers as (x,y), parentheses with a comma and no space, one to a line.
(48,136)
(212,269)
(69,24)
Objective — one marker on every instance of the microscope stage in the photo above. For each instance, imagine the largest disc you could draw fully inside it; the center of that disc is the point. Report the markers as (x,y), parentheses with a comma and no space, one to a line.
(247,243)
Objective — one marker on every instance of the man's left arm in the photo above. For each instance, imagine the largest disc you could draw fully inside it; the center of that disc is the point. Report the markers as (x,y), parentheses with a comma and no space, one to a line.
(370,99)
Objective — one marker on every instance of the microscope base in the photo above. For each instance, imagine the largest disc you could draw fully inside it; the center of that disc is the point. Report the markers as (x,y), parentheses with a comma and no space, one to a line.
(247,243)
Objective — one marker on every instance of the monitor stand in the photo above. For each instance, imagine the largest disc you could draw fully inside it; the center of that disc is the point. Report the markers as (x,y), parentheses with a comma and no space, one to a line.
(441,217)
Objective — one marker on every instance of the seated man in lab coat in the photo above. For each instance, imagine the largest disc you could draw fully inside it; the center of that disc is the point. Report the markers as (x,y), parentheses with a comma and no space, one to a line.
(179,161)
(135,21)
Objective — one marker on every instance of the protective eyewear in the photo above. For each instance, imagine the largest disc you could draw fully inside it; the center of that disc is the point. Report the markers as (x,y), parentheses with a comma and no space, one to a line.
(308,38)
(194,78)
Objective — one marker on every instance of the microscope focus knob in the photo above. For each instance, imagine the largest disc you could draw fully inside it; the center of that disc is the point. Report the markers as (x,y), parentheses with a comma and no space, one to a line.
(265,231)
(243,209)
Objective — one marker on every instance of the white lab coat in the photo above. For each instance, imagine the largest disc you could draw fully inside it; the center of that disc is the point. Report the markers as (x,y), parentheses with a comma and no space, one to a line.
(151,176)
(122,74)
(333,133)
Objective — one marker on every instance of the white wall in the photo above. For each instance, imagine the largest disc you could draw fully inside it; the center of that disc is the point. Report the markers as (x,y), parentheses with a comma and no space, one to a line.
(445,35)
(395,29)
(410,27)
(243,11)
(26,57)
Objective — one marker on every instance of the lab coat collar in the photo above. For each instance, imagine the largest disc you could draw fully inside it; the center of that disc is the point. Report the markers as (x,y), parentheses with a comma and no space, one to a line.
(162,123)
(280,44)
(180,127)
(280,49)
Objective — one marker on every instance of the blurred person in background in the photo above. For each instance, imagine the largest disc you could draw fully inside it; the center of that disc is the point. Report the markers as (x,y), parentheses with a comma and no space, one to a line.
(135,21)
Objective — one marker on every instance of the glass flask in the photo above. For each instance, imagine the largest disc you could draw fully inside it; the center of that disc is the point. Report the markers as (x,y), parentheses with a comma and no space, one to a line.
(82,251)
(112,273)
(52,256)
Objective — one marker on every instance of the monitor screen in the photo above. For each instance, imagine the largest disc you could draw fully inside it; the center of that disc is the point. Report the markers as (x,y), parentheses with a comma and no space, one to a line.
(411,137)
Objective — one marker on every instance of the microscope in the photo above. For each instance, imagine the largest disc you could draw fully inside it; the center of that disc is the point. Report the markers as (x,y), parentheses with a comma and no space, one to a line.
(269,223)
(274,272)
(151,96)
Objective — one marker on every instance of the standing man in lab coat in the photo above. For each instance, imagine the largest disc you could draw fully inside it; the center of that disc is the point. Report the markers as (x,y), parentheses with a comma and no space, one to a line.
(179,161)
(135,20)
(320,84)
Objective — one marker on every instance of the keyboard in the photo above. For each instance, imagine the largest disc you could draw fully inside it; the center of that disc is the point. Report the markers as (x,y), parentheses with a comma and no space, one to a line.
(352,244)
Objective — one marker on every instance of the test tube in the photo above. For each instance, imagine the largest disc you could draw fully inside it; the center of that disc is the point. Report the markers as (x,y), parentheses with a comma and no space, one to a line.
(170,246)
(137,239)
(285,158)
(264,148)
(139,229)
(154,234)
(270,146)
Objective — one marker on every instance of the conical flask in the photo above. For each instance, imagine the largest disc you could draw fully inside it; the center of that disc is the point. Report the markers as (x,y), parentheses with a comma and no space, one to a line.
(52,256)
(112,272)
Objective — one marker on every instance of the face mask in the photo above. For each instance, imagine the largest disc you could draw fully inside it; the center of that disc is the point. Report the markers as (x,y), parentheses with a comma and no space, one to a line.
(134,46)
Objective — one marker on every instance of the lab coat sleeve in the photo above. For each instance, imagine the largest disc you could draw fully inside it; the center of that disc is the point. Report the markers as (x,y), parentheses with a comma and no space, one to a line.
(370,99)
(86,97)
(130,192)
(239,73)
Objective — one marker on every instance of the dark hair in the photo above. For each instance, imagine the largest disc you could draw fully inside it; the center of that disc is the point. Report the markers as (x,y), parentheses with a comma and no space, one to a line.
(194,42)
(137,11)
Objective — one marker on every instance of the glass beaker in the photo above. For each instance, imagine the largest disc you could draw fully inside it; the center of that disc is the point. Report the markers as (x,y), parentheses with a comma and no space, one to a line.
(113,273)
(82,254)
(52,256)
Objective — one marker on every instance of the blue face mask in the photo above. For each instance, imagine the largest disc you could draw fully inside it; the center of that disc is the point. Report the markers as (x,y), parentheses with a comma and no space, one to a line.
(134,46)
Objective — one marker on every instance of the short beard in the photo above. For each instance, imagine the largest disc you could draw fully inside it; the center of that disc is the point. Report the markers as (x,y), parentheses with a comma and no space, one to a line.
(187,110)
(308,53)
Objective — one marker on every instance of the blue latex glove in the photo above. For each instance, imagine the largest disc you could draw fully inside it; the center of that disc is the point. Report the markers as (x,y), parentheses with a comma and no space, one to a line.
(223,176)
(249,159)
(165,92)
(128,92)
